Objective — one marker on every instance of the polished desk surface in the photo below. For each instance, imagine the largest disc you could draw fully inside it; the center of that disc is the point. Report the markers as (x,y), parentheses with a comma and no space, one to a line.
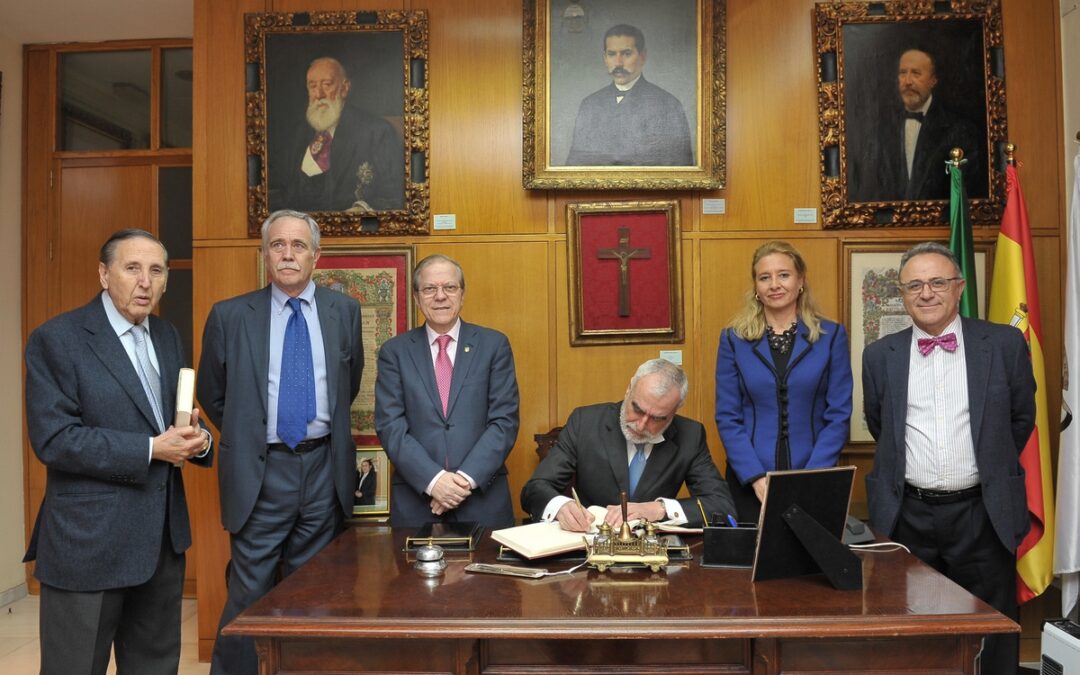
(363,586)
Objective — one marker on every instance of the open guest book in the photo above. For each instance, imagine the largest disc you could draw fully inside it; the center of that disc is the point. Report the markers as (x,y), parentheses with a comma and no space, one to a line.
(537,540)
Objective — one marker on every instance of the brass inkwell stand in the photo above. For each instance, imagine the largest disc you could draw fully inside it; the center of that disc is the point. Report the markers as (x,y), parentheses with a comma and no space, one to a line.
(626,548)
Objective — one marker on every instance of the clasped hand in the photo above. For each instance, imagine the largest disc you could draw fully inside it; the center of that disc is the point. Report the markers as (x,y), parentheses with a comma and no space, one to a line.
(177,444)
(449,491)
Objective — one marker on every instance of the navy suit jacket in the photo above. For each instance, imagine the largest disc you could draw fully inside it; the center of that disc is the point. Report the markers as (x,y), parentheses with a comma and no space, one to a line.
(475,436)
(750,401)
(106,503)
(1001,398)
(232,387)
(591,451)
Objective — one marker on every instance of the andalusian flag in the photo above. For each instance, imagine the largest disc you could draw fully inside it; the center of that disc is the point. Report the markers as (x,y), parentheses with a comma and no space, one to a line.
(960,240)
(1067,542)
(1014,299)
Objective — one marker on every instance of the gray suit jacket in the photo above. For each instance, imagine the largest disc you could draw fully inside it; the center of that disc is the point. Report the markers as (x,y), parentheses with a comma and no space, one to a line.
(591,450)
(232,388)
(475,436)
(1001,398)
(106,503)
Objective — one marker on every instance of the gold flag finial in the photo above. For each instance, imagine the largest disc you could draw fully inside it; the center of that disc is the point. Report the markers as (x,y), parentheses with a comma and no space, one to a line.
(956,155)
(1010,153)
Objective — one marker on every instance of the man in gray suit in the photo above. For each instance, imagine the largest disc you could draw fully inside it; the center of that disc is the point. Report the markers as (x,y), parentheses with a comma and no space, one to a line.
(640,447)
(110,537)
(279,370)
(446,409)
(951,403)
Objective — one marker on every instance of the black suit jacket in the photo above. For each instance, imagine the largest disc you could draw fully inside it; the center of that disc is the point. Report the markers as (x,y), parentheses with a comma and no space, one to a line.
(232,387)
(877,167)
(1001,398)
(360,138)
(106,505)
(367,489)
(592,450)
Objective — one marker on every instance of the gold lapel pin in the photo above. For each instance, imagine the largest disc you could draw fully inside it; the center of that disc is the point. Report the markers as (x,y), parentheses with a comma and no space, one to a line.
(467,348)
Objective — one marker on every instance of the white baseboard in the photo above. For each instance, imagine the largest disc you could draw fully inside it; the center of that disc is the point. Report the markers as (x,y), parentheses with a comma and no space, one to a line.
(12,595)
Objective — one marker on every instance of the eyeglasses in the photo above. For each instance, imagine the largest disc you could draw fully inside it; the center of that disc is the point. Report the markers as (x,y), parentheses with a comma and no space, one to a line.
(937,285)
(431,291)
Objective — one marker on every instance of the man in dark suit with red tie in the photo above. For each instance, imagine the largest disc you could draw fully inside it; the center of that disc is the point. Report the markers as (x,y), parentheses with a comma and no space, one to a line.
(345,158)
(110,537)
(951,404)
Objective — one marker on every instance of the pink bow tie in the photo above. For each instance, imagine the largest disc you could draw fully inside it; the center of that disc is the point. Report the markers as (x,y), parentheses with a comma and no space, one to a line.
(946,342)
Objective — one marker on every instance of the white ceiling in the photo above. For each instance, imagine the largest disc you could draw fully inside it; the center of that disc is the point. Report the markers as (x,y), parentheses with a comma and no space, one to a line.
(35,21)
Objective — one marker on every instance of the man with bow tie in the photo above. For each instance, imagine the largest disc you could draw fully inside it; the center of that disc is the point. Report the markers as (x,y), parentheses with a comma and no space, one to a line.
(904,158)
(951,403)
(344,158)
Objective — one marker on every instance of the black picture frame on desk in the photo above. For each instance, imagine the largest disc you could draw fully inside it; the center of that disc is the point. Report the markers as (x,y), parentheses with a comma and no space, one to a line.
(801,525)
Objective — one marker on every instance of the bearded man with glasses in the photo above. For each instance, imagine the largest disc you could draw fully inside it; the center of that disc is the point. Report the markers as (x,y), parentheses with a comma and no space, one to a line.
(951,403)
(446,409)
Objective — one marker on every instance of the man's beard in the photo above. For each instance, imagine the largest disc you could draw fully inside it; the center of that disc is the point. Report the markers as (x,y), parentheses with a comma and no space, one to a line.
(324,113)
(632,435)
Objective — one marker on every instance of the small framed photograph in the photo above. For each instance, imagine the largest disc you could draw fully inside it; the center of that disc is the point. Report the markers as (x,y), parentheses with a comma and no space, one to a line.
(381,280)
(625,267)
(337,119)
(900,85)
(624,94)
(874,306)
(371,493)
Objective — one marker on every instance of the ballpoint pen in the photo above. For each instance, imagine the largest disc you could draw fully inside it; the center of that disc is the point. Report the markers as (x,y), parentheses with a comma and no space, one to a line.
(731,520)
(701,508)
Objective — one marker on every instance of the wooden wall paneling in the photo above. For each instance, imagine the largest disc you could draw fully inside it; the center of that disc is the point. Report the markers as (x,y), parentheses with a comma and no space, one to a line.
(475,114)
(39,274)
(1034,98)
(219,171)
(96,201)
(772,132)
(506,290)
(218,273)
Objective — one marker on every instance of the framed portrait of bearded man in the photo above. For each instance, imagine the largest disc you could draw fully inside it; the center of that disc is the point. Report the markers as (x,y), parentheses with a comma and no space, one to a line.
(337,119)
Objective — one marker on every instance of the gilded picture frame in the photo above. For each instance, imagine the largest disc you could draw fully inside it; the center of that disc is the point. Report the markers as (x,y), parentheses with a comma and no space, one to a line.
(899,85)
(359,164)
(874,308)
(673,129)
(625,271)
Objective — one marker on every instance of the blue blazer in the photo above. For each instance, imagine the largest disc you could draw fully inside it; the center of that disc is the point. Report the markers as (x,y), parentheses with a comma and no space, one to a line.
(107,505)
(749,401)
(475,436)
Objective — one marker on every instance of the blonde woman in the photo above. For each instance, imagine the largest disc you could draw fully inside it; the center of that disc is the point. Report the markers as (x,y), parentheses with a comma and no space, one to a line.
(783,380)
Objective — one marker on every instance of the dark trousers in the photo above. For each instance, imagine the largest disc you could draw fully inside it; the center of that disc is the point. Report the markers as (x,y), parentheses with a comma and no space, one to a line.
(295,516)
(959,541)
(142,623)
(746,501)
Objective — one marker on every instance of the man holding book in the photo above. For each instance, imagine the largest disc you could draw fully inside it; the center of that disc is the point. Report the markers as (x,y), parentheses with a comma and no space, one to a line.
(640,447)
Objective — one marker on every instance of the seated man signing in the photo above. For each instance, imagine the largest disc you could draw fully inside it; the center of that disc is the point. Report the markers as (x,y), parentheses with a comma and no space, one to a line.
(641,447)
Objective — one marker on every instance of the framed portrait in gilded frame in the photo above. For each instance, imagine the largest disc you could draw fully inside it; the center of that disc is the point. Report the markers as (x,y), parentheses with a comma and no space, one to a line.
(381,280)
(874,306)
(337,119)
(625,269)
(624,94)
(899,86)
(371,494)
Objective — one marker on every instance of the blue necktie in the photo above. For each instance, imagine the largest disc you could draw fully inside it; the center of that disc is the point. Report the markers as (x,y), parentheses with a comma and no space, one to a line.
(637,467)
(296,386)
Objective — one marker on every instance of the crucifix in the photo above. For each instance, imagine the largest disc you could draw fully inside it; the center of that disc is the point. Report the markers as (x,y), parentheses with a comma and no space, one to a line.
(624,254)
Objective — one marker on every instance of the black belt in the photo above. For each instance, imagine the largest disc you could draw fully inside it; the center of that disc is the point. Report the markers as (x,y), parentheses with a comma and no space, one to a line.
(942,496)
(302,446)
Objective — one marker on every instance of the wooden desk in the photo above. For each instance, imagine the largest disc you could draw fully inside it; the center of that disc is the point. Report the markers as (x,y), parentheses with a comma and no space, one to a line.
(359,607)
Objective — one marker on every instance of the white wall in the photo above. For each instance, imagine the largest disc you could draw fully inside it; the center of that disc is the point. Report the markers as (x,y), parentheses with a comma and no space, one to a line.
(12,534)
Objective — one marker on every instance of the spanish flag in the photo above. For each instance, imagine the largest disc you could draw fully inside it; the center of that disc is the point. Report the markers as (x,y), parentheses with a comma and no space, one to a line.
(1014,299)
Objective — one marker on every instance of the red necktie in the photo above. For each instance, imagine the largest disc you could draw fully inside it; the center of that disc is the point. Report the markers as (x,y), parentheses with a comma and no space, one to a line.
(444,370)
(946,342)
(320,149)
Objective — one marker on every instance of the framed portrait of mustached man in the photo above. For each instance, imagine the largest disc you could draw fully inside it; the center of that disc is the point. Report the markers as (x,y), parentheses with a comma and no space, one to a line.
(337,119)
